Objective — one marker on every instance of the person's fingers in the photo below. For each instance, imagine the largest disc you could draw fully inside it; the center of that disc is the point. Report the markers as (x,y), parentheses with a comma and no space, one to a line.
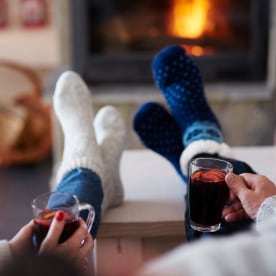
(231,208)
(26,230)
(87,246)
(79,235)
(80,244)
(237,216)
(28,227)
(257,182)
(232,197)
(54,233)
(234,212)
(22,241)
(26,234)
(237,185)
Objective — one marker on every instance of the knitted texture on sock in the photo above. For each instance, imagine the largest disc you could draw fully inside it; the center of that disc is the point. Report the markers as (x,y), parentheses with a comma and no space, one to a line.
(159,132)
(73,108)
(95,144)
(111,135)
(180,82)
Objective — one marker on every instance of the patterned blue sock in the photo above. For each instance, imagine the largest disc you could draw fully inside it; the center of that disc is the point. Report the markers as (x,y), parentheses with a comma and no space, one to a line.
(159,131)
(180,81)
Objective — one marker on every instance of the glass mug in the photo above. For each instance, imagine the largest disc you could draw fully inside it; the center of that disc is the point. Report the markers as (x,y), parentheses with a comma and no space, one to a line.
(207,192)
(45,207)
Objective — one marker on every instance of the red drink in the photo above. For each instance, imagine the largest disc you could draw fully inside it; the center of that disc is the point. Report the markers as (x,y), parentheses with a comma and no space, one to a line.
(208,193)
(43,222)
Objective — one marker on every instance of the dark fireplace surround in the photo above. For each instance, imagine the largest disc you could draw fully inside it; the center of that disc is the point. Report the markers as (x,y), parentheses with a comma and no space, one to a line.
(134,66)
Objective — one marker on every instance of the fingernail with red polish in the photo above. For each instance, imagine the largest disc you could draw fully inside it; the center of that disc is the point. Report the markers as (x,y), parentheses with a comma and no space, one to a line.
(59,215)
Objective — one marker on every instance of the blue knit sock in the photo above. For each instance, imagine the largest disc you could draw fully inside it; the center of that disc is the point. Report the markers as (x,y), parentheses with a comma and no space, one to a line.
(158,131)
(180,82)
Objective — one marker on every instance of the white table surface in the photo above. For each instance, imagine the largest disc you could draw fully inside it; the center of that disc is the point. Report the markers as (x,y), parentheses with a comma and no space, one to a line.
(154,192)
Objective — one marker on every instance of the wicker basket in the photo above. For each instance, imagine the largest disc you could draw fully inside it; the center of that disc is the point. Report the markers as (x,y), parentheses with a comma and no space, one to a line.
(25,120)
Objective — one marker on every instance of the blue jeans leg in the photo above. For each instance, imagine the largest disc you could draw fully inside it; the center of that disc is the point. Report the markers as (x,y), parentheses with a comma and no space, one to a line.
(86,185)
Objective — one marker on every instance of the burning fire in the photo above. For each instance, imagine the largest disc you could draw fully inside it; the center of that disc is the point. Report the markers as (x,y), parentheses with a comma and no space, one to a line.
(189,18)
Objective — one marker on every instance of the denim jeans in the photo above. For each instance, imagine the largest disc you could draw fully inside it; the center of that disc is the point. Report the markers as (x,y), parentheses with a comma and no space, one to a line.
(86,185)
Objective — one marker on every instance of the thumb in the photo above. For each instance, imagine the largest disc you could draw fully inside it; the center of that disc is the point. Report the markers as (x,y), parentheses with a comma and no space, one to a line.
(236,184)
(54,233)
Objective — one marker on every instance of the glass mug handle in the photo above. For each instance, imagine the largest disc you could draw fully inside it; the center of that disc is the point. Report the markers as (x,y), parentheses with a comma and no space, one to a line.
(90,216)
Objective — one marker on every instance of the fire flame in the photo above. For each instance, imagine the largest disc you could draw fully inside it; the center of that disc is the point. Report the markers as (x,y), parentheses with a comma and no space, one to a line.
(188,18)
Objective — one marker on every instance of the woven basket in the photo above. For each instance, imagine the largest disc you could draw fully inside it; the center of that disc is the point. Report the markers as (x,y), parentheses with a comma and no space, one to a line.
(30,137)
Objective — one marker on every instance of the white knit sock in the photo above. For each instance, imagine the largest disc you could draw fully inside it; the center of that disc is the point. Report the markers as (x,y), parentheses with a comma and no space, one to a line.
(73,108)
(111,136)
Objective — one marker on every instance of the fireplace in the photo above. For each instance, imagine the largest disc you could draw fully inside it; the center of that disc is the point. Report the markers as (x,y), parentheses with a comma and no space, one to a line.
(114,40)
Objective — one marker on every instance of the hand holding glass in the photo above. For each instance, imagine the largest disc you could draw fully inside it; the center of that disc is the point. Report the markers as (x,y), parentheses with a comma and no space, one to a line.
(45,207)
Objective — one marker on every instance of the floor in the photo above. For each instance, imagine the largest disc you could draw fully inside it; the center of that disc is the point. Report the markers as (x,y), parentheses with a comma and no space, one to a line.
(18,185)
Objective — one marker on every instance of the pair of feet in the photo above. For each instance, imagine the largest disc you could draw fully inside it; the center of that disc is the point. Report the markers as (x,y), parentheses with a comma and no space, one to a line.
(95,143)
(191,127)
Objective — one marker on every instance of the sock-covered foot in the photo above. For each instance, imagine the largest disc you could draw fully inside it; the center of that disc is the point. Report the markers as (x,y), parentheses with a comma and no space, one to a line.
(111,135)
(180,82)
(73,108)
(159,131)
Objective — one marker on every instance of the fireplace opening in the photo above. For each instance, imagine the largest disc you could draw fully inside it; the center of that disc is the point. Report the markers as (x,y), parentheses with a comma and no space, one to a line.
(115,40)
